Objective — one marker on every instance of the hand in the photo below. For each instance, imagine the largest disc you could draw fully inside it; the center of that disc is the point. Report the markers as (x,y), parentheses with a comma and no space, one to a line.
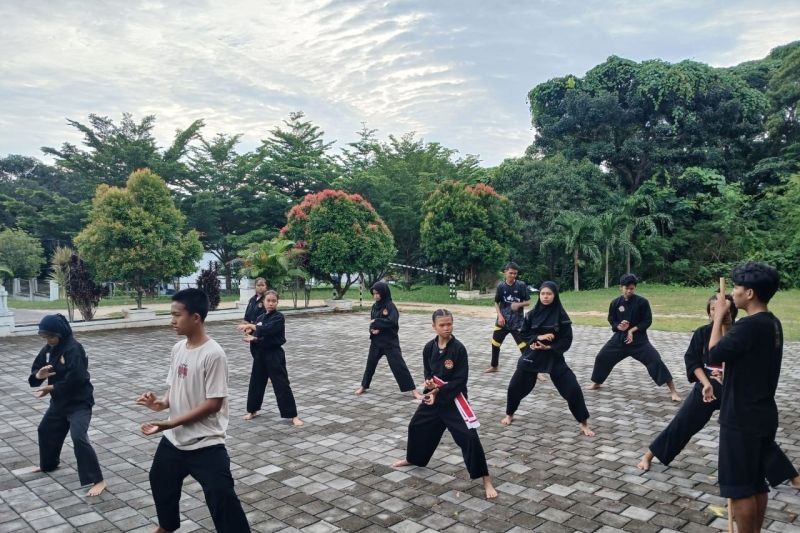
(624,325)
(539,346)
(515,306)
(248,328)
(717,375)
(249,338)
(151,428)
(385,312)
(242,327)
(43,391)
(430,398)
(547,337)
(45,372)
(429,384)
(708,393)
(151,401)
(501,321)
(629,338)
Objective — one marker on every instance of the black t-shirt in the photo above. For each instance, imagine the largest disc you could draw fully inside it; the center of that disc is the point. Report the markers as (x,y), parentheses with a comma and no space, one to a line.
(636,311)
(506,295)
(752,351)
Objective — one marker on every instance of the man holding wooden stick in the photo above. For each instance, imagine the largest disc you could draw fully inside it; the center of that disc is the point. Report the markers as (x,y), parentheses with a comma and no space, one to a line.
(752,351)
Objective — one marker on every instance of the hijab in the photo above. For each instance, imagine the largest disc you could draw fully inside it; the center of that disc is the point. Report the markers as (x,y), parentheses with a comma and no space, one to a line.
(386,295)
(551,316)
(57,326)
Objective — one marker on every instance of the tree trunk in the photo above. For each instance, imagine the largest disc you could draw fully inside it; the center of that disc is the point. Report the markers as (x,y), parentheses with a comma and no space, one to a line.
(606,281)
(139,291)
(575,280)
(628,262)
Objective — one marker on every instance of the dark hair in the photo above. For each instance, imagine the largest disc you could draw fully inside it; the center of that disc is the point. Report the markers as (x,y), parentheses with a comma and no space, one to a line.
(512,265)
(255,282)
(760,277)
(733,311)
(439,313)
(194,300)
(271,291)
(628,279)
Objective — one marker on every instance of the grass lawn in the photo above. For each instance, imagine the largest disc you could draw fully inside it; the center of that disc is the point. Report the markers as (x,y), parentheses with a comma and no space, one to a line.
(676,308)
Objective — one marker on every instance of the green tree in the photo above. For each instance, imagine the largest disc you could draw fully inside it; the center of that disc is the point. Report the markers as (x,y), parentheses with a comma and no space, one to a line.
(137,235)
(223,203)
(277,260)
(117,150)
(342,234)
(21,253)
(576,234)
(468,228)
(615,235)
(295,160)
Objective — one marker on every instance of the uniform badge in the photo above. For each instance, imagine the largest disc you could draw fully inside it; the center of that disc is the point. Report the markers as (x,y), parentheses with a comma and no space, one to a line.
(621,308)
(385,312)
(448,364)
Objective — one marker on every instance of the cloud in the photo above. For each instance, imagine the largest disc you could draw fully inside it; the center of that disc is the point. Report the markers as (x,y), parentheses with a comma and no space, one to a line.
(455,72)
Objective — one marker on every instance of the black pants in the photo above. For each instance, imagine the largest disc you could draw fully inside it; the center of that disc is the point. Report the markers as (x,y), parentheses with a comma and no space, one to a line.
(693,415)
(522,384)
(614,351)
(270,365)
(53,430)
(427,427)
(498,337)
(211,467)
(396,363)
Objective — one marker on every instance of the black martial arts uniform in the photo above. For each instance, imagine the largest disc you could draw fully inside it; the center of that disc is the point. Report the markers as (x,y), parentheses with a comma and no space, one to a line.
(694,414)
(71,401)
(384,317)
(269,362)
(504,296)
(254,309)
(541,320)
(429,421)
(752,352)
(637,312)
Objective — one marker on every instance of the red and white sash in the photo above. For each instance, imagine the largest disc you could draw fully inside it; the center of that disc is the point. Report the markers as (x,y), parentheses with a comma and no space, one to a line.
(463,406)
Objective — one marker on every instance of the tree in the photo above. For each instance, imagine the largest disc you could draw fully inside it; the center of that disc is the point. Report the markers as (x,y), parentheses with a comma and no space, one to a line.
(21,253)
(81,290)
(222,202)
(469,228)
(277,260)
(117,150)
(295,160)
(615,235)
(136,234)
(637,118)
(208,282)
(342,234)
(576,234)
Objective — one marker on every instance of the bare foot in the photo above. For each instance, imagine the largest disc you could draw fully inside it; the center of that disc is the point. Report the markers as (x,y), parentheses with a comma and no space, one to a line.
(401,463)
(36,469)
(161,530)
(541,378)
(674,396)
(97,489)
(360,391)
(507,420)
(490,370)
(587,431)
(491,492)
(644,464)
(416,394)
(250,416)
(297,422)
(795,482)
(594,386)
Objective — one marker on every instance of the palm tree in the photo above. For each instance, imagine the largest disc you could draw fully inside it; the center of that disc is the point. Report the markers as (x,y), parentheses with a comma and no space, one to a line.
(575,233)
(633,220)
(615,233)
(275,260)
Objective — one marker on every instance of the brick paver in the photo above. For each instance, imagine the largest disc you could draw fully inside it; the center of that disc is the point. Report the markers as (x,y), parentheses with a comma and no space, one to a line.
(333,474)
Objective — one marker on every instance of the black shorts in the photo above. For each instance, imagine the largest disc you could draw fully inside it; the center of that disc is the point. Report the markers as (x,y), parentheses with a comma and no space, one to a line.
(742,462)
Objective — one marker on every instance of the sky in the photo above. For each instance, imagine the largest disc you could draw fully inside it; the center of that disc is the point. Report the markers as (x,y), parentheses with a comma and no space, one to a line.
(453,72)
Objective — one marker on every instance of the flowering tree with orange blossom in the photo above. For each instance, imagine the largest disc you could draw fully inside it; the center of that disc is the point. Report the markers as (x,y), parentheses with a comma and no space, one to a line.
(342,234)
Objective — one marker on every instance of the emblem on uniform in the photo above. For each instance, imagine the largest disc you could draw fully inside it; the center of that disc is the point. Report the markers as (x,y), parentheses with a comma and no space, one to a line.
(448,364)
(385,312)
(621,308)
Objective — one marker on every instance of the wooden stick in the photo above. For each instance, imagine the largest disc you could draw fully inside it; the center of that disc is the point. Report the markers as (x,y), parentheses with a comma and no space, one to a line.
(730,501)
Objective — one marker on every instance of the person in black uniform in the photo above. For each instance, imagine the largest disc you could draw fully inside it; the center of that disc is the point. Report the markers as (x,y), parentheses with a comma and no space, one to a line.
(383,327)
(547,332)
(267,337)
(63,363)
(752,351)
(510,300)
(701,404)
(630,316)
(445,405)
(255,306)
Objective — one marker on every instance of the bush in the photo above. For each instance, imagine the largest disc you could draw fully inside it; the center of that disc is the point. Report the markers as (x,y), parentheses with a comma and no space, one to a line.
(208,282)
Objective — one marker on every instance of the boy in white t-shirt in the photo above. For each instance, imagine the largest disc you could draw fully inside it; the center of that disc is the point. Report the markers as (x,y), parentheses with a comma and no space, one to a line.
(194,435)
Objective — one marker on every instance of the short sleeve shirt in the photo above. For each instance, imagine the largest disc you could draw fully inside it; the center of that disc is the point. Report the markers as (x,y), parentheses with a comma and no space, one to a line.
(195,375)
(506,295)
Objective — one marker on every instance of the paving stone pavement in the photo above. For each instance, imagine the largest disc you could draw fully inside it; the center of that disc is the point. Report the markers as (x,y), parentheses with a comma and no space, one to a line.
(333,474)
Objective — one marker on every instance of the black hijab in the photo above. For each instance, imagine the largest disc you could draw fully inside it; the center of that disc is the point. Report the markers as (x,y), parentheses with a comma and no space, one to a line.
(58,326)
(551,316)
(386,295)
